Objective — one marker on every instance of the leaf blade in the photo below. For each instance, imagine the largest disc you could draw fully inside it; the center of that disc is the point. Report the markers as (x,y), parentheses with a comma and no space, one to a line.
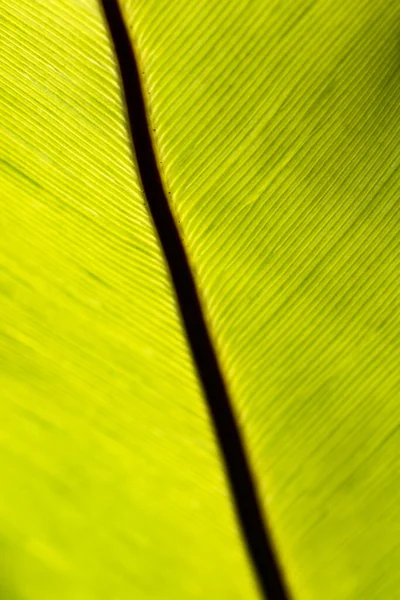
(277,129)
(99,399)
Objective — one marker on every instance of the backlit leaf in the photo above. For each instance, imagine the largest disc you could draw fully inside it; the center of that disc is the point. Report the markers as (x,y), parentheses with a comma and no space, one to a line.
(276,127)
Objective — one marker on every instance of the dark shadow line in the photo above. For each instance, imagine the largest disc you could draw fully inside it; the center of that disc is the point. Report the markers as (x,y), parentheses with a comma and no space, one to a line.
(258,539)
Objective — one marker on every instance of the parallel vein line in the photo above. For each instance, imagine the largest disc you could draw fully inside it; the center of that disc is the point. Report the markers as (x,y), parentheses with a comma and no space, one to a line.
(258,539)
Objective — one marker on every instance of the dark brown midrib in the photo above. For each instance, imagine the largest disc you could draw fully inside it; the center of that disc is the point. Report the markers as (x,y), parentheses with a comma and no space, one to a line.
(256,534)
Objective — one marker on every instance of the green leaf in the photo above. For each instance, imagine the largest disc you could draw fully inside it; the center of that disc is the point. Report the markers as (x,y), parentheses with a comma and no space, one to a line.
(276,127)
(112,485)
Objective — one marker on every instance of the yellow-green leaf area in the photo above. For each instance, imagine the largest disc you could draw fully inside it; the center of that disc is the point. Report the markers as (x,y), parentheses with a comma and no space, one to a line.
(112,485)
(277,124)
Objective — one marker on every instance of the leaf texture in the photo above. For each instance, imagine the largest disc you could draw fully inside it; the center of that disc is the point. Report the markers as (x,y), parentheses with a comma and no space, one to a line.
(277,125)
(112,485)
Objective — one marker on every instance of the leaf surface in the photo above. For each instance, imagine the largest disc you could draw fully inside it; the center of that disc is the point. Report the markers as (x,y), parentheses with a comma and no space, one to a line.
(112,486)
(276,127)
